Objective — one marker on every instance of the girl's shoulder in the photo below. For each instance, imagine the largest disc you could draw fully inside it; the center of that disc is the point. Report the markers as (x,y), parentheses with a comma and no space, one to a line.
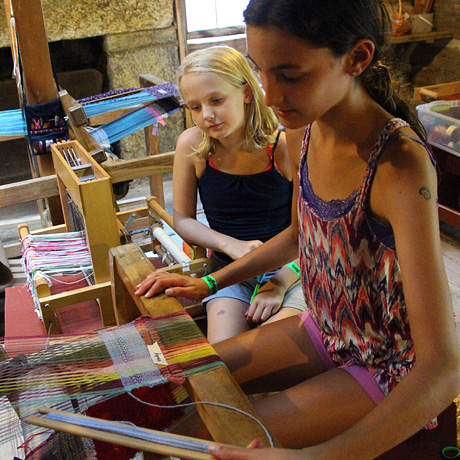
(406,151)
(187,144)
(404,170)
(189,139)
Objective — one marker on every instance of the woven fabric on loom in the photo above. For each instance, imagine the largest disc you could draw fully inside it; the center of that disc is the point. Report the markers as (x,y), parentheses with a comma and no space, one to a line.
(48,256)
(87,373)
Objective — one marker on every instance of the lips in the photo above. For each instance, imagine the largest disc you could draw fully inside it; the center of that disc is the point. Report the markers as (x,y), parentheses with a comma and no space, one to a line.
(216,126)
(284,113)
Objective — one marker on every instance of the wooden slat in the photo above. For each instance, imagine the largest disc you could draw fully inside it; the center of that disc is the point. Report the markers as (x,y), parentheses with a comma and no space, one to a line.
(449,216)
(135,168)
(425,37)
(217,32)
(129,267)
(83,294)
(28,190)
(119,171)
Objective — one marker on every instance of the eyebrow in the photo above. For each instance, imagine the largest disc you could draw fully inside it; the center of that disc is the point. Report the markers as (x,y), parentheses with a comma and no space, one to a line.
(278,67)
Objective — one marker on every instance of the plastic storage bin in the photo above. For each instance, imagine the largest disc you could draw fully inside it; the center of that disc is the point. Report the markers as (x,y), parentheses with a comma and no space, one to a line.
(441,120)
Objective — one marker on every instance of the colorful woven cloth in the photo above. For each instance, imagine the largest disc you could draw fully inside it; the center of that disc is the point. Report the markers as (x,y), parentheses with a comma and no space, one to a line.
(92,373)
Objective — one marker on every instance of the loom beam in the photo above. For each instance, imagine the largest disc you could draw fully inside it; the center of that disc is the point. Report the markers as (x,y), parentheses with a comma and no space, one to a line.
(129,266)
(39,85)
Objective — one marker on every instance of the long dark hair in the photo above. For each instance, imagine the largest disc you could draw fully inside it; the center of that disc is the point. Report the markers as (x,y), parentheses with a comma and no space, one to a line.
(338,25)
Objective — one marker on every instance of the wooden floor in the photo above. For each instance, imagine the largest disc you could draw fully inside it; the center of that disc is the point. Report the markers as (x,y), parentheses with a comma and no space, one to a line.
(451,252)
(450,240)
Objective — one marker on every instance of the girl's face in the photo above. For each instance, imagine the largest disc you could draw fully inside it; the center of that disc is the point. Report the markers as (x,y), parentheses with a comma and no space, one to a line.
(217,107)
(302,83)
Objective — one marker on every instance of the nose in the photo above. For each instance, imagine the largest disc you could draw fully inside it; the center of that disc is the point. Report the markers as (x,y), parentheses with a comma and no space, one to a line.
(272,93)
(208,113)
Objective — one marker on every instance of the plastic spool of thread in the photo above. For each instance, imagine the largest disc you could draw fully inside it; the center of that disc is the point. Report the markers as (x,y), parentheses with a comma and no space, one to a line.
(171,247)
(450,452)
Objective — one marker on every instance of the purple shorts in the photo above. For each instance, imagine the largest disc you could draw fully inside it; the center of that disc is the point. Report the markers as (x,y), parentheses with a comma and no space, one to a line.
(359,373)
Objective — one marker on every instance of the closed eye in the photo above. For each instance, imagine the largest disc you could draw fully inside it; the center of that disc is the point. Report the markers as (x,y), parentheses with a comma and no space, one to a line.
(288,78)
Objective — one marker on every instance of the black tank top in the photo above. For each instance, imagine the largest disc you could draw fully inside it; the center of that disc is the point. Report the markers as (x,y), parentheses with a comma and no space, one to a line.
(246,207)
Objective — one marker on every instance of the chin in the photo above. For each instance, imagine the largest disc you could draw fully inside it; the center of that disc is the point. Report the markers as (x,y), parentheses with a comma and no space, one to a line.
(296,123)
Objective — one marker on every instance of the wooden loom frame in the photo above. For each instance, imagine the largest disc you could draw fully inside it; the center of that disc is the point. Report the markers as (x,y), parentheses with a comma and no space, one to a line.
(128,267)
(94,199)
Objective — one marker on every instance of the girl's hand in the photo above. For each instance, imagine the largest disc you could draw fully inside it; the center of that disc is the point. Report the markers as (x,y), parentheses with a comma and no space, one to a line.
(173,285)
(238,248)
(266,303)
(236,453)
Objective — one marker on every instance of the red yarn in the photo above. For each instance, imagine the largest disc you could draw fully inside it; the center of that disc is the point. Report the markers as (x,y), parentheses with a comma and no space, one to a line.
(124,408)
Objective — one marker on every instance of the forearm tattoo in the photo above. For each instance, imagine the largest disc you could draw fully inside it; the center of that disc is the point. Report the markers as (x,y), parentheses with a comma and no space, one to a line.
(425,192)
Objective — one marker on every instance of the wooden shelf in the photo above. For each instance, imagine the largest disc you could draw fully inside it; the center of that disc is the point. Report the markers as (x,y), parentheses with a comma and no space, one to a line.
(426,37)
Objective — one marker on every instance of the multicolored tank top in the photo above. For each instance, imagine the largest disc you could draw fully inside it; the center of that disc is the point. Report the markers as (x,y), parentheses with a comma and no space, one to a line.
(352,280)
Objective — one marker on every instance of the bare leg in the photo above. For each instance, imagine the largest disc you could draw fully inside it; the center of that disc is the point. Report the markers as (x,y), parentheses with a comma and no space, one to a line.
(272,358)
(312,403)
(225,318)
(315,410)
(282,313)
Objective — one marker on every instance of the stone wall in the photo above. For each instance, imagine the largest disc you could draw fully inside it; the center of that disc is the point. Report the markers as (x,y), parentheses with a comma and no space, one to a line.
(439,62)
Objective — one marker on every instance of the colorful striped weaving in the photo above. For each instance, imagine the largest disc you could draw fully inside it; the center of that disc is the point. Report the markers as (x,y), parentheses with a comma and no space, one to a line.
(84,373)
(50,256)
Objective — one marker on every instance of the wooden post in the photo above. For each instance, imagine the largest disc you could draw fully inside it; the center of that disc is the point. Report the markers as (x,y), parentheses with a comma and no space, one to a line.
(181,24)
(152,141)
(182,36)
(37,78)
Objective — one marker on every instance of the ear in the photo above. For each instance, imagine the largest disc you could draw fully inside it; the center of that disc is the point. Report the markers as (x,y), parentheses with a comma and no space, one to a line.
(359,57)
(248,94)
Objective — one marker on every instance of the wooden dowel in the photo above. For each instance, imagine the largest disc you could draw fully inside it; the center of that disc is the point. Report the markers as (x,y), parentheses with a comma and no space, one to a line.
(157,209)
(118,439)
(429,94)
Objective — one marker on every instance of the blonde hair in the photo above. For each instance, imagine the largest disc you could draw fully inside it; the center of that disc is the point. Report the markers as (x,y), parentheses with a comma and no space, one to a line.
(260,121)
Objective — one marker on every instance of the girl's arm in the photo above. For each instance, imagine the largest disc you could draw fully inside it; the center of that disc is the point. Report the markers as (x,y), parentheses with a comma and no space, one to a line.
(185,171)
(270,296)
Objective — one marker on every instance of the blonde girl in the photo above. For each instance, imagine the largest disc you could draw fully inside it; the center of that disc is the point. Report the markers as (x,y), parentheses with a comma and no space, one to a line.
(237,160)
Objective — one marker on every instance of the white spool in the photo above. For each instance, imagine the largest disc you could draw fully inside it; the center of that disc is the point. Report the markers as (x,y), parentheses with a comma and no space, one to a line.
(171,247)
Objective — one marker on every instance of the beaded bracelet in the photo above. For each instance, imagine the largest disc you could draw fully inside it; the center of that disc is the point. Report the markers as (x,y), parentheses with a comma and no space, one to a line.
(212,284)
(293,266)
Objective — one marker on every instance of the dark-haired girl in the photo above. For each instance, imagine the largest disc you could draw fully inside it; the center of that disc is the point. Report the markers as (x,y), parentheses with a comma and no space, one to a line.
(376,359)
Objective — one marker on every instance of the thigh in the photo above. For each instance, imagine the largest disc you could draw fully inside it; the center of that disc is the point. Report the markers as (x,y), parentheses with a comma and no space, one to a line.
(315,410)
(282,313)
(226,318)
(272,358)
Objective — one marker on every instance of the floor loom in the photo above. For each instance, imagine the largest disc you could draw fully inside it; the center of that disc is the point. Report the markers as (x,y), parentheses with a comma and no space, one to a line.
(88,204)
(128,266)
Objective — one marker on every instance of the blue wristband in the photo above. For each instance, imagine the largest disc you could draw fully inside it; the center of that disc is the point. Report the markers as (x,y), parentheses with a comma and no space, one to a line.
(212,284)
(293,266)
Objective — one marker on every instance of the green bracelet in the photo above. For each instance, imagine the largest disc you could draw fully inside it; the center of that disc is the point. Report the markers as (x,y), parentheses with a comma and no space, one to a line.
(293,266)
(212,284)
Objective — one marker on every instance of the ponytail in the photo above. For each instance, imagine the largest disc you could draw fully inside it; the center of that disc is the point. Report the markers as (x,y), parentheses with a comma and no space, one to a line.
(389,89)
